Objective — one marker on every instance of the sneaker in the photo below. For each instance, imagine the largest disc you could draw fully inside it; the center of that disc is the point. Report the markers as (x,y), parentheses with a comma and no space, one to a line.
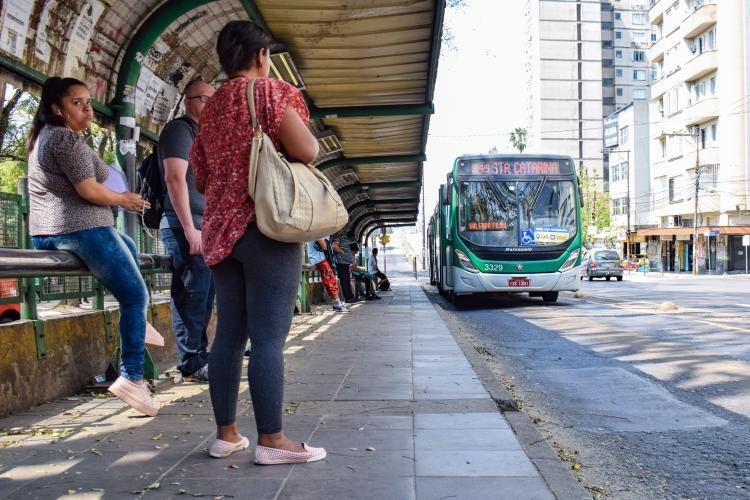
(200,376)
(353,301)
(135,394)
(341,308)
(372,297)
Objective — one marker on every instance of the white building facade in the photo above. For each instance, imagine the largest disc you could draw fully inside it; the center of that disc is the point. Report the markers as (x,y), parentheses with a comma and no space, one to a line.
(626,138)
(699,123)
(564,78)
(626,70)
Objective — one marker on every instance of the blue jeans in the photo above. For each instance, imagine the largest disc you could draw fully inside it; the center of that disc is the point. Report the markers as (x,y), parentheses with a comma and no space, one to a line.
(192,301)
(113,259)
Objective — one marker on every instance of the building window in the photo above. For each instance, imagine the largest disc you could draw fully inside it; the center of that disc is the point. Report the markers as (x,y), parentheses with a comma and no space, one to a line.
(618,54)
(607,6)
(606,44)
(618,34)
(714,128)
(654,73)
(700,91)
(608,101)
(709,177)
(639,93)
(618,72)
(624,135)
(653,37)
(663,147)
(607,25)
(618,16)
(639,18)
(675,188)
(712,85)
(639,55)
(619,91)
(607,63)
(638,36)
(639,75)
(608,81)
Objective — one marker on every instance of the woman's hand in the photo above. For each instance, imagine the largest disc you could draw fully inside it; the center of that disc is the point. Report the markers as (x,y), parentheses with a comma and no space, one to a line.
(133,202)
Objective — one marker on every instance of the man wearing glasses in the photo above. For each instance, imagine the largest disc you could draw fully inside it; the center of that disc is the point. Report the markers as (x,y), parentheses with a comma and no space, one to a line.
(180,228)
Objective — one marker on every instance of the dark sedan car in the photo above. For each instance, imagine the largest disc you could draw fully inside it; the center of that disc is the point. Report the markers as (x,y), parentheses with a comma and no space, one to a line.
(601,264)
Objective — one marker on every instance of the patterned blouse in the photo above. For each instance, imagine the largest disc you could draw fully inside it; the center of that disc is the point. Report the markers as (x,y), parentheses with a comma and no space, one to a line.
(220,156)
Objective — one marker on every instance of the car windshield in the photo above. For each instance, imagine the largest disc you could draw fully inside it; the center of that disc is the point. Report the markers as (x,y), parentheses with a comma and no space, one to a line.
(513,213)
(607,255)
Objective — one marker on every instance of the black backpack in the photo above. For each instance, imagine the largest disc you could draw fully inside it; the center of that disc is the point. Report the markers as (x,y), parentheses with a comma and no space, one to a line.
(151,185)
(152,188)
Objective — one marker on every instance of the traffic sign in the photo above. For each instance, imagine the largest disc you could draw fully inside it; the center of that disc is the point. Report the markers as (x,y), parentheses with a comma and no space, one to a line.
(711,232)
(746,240)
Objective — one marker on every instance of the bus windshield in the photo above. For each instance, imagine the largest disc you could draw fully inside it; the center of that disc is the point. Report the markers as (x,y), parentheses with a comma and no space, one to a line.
(517,213)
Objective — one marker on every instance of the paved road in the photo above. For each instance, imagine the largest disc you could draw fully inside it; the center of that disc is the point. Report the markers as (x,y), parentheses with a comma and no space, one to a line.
(649,402)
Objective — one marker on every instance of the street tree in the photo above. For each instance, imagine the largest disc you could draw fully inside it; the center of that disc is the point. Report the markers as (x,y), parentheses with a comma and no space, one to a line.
(518,139)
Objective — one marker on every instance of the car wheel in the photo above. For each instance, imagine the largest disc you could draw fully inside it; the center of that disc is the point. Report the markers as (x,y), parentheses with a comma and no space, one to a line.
(608,278)
(549,297)
(619,278)
(591,278)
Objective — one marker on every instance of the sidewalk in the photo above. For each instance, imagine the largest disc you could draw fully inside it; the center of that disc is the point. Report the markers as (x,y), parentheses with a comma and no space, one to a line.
(653,275)
(386,389)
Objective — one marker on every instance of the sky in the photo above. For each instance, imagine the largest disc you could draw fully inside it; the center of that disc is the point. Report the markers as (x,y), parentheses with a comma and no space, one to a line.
(479,93)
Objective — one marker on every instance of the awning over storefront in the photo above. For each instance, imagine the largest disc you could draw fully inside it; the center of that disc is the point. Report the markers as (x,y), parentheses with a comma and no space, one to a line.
(673,231)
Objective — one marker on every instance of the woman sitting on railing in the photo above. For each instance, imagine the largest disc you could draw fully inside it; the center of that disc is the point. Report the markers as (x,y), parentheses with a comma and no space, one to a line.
(70,210)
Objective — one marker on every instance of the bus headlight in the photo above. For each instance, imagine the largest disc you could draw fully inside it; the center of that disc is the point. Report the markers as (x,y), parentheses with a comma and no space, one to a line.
(465,262)
(570,262)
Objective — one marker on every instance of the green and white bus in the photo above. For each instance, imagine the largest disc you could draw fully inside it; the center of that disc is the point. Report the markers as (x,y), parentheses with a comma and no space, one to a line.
(507,223)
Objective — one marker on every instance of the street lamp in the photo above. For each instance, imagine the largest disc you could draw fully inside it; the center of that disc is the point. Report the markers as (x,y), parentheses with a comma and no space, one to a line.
(695,134)
(627,198)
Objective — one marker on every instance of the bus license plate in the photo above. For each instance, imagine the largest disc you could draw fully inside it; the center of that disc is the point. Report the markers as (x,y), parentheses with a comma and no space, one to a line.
(518,282)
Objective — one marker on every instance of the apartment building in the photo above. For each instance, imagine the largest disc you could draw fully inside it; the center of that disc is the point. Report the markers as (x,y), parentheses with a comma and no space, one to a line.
(699,135)
(626,138)
(564,78)
(626,71)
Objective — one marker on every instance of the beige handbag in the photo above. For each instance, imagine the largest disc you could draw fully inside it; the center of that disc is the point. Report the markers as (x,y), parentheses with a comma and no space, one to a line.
(294,202)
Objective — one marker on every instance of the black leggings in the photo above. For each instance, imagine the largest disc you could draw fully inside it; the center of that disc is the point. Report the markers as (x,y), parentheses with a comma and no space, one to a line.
(256,288)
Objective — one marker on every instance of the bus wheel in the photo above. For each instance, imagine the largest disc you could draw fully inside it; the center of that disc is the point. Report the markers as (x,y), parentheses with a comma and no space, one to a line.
(549,297)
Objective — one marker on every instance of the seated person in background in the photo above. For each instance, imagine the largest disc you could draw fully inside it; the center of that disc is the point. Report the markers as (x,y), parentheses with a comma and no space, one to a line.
(372,267)
(316,255)
(360,275)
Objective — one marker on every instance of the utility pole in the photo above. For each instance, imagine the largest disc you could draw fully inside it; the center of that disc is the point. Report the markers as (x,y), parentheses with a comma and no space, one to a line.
(424,233)
(695,134)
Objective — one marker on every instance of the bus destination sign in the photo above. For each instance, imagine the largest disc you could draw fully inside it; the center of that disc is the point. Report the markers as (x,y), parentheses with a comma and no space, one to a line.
(514,167)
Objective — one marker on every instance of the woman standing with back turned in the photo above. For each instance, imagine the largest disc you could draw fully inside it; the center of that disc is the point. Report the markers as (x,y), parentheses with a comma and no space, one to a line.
(70,210)
(256,278)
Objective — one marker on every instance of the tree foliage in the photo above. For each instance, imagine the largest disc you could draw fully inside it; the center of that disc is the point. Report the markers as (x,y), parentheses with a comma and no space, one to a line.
(518,139)
(595,211)
(16,116)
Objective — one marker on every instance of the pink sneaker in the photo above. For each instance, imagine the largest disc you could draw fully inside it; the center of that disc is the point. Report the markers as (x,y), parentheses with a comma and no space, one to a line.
(274,456)
(222,449)
(136,394)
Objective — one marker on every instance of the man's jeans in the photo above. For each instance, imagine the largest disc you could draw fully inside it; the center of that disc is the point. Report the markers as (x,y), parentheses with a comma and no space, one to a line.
(192,301)
(113,259)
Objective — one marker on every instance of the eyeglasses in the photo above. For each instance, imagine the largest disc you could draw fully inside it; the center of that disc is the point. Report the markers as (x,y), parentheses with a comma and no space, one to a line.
(204,98)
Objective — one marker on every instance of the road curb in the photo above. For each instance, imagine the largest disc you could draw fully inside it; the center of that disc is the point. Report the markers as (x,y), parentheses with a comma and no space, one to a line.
(556,474)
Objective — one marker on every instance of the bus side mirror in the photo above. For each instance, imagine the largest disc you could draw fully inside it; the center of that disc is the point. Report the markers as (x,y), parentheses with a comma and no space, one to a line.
(448,191)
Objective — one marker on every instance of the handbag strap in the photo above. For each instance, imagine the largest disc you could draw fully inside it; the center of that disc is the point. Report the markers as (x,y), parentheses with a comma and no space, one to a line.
(251,104)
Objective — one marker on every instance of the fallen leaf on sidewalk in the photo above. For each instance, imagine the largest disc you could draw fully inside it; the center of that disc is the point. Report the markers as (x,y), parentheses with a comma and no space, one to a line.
(232,466)
(157,437)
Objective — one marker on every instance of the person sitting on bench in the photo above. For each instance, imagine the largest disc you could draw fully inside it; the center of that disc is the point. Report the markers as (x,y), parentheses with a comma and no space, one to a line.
(381,280)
